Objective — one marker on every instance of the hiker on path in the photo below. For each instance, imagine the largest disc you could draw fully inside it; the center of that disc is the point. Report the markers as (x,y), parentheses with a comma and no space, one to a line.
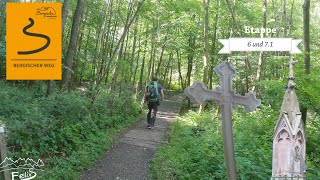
(152,95)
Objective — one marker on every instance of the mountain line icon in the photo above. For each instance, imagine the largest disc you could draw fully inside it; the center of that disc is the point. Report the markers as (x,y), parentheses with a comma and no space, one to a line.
(23,163)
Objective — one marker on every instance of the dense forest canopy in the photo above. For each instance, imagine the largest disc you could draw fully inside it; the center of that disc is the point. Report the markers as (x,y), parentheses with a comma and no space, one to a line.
(121,43)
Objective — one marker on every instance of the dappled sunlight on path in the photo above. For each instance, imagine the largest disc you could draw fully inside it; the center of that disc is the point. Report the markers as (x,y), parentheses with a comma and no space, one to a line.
(131,156)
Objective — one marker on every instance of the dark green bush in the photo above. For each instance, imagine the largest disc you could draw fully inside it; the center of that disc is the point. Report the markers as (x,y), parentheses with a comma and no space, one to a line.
(66,129)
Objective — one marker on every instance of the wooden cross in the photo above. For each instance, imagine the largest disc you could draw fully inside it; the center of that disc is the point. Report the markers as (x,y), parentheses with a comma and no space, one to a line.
(226,99)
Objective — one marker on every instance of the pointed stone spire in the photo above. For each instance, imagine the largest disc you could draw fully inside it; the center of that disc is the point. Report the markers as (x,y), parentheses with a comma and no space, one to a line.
(290,104)
(289,139)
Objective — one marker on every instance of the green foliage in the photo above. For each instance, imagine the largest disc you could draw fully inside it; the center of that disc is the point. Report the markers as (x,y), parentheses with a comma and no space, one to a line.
(173,86)
(65,130)
(195,148)
(308,86)
(2,48)
(273,91)
(313,149)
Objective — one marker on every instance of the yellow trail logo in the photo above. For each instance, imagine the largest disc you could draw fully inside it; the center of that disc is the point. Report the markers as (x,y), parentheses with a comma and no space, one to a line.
(35,35)
(34,47)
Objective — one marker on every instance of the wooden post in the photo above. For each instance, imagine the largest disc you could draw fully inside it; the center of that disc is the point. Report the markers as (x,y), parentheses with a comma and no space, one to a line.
(3,155)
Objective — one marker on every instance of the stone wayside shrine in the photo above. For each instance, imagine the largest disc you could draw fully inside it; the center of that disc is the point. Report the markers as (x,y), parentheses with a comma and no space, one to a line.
(289,139)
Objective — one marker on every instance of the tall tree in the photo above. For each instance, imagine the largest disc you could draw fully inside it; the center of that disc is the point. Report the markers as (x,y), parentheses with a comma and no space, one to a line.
(179,69)
(285,18)
(213,47)
(2,38)
(206,46)
(122,44)
(72,45)
(65,8)
(233,15)
(206,41)
(260,62)
(143,61)
(134,43)
(161,55)
(306,43)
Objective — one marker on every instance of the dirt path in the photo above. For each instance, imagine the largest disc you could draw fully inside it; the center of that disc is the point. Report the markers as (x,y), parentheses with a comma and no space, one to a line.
(130,158)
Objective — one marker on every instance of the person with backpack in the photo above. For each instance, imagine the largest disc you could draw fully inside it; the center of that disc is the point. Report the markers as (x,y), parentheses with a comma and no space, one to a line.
(152,95)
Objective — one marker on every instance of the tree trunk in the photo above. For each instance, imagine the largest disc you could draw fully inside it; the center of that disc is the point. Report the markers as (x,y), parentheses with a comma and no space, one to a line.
(122,43)
(170,77)
(248,72)
(79,45)
(141,72)
(285,18)
(234,23)
(161,55)
(137,64)
(114,53)
(94,66)
(72,45)
(85,56)
(2,19)
(111,48)
(192,41)
(152,52)
(206,47)
(306,42)
(213,50)
(106,43)
(190,59)
(133,47)
(260,62)
(2,37)
(206,42)
(65,8)
(126,76)
(143,61)
(167,68)
(291,19)
(179,70)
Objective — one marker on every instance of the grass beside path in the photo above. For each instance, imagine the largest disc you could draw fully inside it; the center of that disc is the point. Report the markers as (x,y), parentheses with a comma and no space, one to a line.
(195,147)
(91,150)
(131,156)
(65,130)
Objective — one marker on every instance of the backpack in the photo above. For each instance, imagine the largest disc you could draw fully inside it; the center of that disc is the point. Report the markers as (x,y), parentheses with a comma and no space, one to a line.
(153,94)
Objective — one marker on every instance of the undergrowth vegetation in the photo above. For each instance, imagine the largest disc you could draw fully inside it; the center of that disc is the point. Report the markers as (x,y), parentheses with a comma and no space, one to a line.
(65,130)
(195,148)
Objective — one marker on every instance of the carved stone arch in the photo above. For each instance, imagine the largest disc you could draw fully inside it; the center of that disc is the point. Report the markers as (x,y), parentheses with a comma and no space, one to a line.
(282,150)
(281,124)
(283,135)
(299,136)
(298,146)
(299,153)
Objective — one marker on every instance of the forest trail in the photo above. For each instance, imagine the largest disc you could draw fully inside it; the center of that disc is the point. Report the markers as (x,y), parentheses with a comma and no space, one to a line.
(130,157)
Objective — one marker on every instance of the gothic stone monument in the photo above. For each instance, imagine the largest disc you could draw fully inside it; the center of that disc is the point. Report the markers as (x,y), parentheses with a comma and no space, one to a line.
(289,139)
(226,99)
